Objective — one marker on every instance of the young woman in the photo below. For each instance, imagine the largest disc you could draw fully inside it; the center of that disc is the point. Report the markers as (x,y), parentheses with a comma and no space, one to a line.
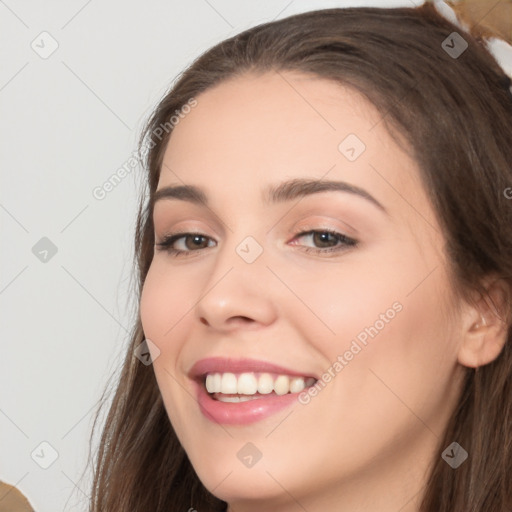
(325,270)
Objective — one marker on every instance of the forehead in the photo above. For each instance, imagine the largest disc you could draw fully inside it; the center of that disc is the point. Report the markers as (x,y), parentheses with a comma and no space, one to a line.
(279,110)
(255,130)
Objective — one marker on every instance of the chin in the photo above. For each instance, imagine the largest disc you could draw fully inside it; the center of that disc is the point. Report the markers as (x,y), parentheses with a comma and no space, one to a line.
(227,478)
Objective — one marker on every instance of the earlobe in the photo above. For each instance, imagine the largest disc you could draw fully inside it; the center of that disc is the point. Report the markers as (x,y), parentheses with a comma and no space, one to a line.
(486,328)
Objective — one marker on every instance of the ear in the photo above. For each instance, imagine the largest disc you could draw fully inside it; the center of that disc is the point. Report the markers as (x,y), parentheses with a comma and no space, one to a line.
(485,325)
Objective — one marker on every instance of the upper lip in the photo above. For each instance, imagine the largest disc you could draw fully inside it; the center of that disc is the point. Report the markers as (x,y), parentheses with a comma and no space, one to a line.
(240,365)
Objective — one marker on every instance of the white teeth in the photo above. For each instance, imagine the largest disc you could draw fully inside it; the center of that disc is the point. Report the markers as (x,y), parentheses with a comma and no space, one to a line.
(265,384)
(217,380)
(297,384)
(228,383)
(249,384)
(209,383)
(282,385)
(243,398)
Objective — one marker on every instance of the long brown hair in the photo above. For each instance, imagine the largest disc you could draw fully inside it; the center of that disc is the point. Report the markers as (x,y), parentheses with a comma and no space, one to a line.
(455,116)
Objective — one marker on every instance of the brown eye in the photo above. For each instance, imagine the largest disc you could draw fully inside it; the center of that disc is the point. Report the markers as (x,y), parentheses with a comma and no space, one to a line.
(325,241)
(190,242)
(195,242)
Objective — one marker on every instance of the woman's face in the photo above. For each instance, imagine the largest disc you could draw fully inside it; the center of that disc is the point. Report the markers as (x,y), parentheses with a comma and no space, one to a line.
(367,311)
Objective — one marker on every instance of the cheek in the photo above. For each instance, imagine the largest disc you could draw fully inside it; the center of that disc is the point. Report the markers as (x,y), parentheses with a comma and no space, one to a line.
(387,320)
(162,305)
(163,314)
(167,298)
(154,302)
(334,303)
(389,361)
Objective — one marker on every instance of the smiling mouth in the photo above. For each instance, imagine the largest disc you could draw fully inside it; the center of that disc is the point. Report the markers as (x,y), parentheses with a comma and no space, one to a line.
(242,387)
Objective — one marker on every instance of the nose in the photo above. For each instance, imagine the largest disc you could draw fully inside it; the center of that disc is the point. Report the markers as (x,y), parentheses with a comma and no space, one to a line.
(238,294)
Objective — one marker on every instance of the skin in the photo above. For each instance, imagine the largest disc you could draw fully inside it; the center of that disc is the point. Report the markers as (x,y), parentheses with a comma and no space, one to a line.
(366,440)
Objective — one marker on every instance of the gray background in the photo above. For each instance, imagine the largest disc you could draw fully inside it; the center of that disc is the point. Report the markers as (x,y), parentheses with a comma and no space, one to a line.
(68,121)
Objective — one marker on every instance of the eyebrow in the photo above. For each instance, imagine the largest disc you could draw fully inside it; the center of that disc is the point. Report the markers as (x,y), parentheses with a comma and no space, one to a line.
(286,191)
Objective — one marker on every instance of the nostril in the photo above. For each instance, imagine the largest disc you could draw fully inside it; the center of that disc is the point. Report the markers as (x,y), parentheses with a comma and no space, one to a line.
(231,320)
(240,320)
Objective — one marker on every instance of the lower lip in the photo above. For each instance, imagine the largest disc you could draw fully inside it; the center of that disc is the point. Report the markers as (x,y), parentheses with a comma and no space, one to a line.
(242,413)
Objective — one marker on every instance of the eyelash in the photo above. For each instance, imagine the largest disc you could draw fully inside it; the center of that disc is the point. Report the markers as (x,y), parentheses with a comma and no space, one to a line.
(346,242)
